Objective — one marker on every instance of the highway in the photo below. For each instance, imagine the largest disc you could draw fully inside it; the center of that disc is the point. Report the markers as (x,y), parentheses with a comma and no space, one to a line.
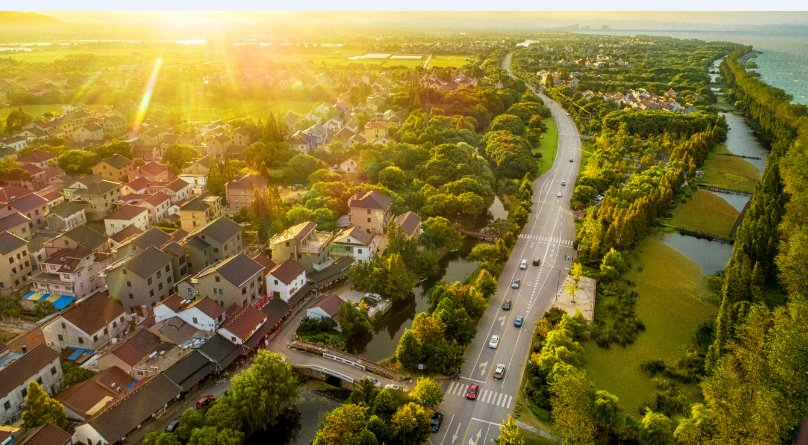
(548,235)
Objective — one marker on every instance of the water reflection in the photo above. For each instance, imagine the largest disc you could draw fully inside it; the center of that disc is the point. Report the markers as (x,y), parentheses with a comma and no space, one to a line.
(711,256)
(736,201)
(741,140)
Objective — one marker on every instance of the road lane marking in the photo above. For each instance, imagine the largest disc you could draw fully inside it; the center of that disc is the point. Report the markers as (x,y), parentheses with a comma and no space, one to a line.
(454,437)
(499,399)
(510,399)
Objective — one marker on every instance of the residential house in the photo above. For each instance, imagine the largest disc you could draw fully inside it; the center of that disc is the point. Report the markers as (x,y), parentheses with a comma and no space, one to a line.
(66,216)
(47,434)
(142,280)
(125,216)
(348,166)
(141,354)
(89,132)
(124,236)
(9,193)
(356,243)
(316,135)
(299,143)
(114,423)
(371,212)
(235,280)
(178,190)
(100,197)
(218,145)
(89,323)
(242,136)
(72,271)
(326,306)
(376,130)
(159,206)
(113,126)
(200,211)
(80,236)
(54,198)
(155,172)
(115,168)
(240,191)
(285,280)
(302,243)
(137,186)
(40,365)
(410,224)
(242,324)
(41,159)
(31,205)
(15,142)
(86,399)
(218,240)
(17,224)
(202,313)
(155,237)
(15,264)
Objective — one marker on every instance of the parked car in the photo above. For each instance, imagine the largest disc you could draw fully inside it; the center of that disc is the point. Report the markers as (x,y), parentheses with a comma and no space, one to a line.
(437,420)
(537,261)
(494,342)
(518,321)
(373,380)
(392,386)
(516,284)
(471,392)
(506,305)
(523,264)
(172,425)
(205,401)
(499,372)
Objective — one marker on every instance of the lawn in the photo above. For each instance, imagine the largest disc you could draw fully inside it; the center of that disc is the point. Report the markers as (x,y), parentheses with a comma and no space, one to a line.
(448,61)
(33,110)
(671,304)
(729,172)
(549,145)
(705,212)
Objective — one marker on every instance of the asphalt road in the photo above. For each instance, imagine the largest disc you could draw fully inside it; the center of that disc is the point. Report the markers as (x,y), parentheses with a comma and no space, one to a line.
(548,235)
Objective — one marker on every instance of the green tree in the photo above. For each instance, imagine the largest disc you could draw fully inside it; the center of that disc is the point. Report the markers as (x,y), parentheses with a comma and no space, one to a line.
(572,399)
(266,212)
(613,265)
(41,409)
(299,168)
(161,438)
(575,273)
(263,390)
(345,425)
(176,155)
(354,322)
(17,120)
(409,350)
(399,280)
(10,171)
(439,232)
(509,433)
(486,283)
(223,415)
(427,392)
(657,429)
(606,412)
(208,435)
(77,162)
(411,424)
(190,420)
(73,374)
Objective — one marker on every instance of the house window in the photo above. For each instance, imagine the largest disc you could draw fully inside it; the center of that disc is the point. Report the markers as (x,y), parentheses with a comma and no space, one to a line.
(63,326)
(368,219)
(159,274)
(131,297)
(81,340)
(124,271)
(276,282)
(95,338)
(159,286)
(39,380)
(167,269)
(151,293)
(359,251)
(195,320)
(53,370)
(128,284)
(7,405)
(368,211)
(106,331)
(149,281)
(114,324)
(216,279)
(24,392)
(61,338)
(243,291)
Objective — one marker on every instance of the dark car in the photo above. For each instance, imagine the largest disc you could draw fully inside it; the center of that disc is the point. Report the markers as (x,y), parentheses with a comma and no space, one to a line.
(537,261)
(205,401)
(437,420)
(518,321)
(172,425)
(471,393)
(570,160)
(506,305)
(516,284)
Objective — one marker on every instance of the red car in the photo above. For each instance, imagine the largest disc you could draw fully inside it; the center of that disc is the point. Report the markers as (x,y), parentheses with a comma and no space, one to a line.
(472,392)
(205,401)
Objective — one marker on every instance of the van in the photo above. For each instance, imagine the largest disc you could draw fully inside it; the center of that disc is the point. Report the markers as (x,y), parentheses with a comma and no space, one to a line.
(523,264)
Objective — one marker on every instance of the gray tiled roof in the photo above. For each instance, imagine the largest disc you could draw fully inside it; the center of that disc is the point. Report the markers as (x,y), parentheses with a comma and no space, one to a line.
(238,269)
(86,236)
(67,209)
(221,229)
(10,243)
(148,261)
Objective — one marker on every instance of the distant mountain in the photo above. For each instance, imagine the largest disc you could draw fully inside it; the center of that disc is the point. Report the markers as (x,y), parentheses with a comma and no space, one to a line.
(14,18)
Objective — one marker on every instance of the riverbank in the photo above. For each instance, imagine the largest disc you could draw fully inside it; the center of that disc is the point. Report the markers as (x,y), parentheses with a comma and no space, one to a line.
(705,212)
(672,302)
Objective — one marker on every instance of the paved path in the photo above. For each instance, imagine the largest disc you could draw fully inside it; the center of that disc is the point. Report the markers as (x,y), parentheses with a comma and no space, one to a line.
(548,235)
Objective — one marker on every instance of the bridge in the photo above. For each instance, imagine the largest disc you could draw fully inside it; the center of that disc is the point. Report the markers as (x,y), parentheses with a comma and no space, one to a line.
(490,237)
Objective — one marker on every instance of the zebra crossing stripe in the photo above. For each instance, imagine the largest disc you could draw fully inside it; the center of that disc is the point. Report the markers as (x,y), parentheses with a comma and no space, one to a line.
(508,405)
(499,399)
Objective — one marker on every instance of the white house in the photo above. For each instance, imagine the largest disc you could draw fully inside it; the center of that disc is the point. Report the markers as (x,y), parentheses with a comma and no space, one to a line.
(356,243)
(202,313)
(326,307)
(242,324)
(286,279)
(42,365)
(91,323)
(348,166)
(159,205)
(127,215)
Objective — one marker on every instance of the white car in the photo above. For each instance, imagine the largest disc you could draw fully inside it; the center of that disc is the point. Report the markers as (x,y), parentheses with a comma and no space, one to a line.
(499,372)
(494,342)
(392,386)
(558,195)
(523,264)
(563,182)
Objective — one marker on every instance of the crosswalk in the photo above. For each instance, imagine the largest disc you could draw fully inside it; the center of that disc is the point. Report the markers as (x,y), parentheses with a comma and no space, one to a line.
(547,239)
(485,396)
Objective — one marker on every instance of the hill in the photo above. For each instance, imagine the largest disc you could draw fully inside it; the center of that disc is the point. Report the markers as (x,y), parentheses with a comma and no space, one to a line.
(14,18)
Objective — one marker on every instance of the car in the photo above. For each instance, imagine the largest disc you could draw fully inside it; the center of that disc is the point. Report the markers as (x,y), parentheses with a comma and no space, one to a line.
(523,264)
(518,321)
(205,401)
(563,182)
(506,305)
(499,371)
(571,160)
(494,342)
(392,386)
(516,284)
(373,380)
(172,425)
(537,261)
(471,392)
(437,420)
(558,195)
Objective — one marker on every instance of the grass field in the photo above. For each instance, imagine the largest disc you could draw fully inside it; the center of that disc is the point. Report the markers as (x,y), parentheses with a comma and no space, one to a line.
(671,304)
(448,61)
(705,212)
(205,108)
(729,171)
(549,145)
(33,110)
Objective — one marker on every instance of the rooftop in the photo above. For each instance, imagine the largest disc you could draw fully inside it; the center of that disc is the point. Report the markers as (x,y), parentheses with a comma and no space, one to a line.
(298,232)
(237,269)
(93,313)
(148,261)
(287,271)
(408,222)
(117,161)
(127,212)
(221,229)
(15,374)
(10,243)
(28,202)
(329,304)
(244,321)
(67,209)
(371,200)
